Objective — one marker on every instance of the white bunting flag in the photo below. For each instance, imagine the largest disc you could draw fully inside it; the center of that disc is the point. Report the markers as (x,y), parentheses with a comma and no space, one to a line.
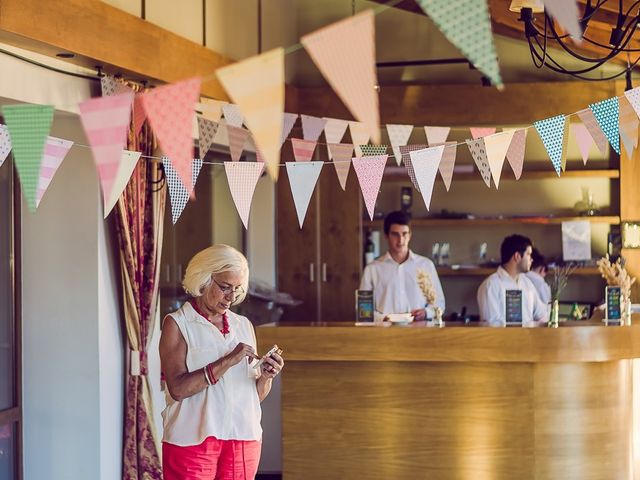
(589,120)
(425,165)
(436,135)
(125,169)
(477,149)
(583,139)
(232,114)
(359,136)
(210,109)
(566,13)
(312,127)
(55,150)
(302,180)
(5,143)
(369,171)
(496,146)
(398,137)
(628,126)
(334,130)
(178,194)
(242,178)
(633,96)
(288,121)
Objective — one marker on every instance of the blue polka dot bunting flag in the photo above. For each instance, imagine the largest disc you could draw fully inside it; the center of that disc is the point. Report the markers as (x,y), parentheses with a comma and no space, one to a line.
(607,113)
(551,131)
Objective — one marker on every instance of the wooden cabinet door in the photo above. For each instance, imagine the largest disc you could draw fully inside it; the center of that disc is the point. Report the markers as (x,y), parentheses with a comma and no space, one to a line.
(340,249)
(297,262)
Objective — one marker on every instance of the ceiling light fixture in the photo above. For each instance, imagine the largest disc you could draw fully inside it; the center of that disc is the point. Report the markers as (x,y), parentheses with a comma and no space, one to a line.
(543,34)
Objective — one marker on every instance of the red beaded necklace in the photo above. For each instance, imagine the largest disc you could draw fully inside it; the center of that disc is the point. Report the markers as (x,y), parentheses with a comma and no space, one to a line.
(225,321)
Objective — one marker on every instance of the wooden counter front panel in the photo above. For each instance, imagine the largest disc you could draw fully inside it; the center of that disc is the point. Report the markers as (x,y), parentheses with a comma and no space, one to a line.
(411,420)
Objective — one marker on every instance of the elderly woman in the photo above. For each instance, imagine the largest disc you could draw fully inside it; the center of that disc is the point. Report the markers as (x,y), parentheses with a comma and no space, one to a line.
(212,419)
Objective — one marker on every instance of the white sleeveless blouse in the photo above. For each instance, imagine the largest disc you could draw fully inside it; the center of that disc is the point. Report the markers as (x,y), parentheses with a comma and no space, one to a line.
(227,410)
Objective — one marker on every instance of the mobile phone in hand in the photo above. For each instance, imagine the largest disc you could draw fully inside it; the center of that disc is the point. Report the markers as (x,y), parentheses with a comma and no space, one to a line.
(271,351)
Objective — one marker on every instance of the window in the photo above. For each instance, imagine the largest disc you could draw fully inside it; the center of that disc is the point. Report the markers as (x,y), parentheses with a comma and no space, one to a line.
(10,394)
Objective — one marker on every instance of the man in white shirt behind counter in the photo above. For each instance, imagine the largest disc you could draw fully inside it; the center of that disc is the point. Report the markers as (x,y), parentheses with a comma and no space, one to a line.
(515,253)
(393,277)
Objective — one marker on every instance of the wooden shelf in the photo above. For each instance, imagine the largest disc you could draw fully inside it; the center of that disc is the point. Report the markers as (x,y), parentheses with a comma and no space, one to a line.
(399,174)
(485,272)
(461,222)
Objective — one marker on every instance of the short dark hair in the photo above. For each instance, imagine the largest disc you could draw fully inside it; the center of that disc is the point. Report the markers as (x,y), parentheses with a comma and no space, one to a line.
(513,244)
(397,217)
(537,259)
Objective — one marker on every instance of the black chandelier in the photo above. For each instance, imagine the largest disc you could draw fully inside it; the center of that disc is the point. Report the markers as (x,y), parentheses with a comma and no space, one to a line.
(542,34)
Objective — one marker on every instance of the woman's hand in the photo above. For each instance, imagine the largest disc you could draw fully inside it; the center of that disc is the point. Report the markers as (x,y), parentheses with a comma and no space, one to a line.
(419,314)
(242,350)
(272,365)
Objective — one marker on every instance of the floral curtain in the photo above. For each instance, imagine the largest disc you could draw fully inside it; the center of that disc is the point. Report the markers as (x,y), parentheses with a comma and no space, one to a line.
(139,214)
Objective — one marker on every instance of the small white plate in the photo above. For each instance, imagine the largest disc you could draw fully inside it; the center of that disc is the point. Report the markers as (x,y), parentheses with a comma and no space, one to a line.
(400,318)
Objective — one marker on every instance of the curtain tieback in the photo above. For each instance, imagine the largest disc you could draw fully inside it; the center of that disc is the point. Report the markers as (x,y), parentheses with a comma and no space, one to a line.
(138,363)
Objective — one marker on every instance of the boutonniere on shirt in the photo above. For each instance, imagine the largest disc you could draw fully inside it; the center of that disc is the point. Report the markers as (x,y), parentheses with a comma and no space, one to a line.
(426,287)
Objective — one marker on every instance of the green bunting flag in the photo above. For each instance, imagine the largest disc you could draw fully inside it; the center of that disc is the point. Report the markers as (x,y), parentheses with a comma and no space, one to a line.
(28,127)
(466,24)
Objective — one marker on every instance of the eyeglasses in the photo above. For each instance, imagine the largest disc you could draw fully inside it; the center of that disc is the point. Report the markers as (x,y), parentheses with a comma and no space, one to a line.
(228,290)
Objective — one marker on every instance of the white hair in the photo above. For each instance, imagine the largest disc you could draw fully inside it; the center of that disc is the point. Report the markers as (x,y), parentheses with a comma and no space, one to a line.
(211,261)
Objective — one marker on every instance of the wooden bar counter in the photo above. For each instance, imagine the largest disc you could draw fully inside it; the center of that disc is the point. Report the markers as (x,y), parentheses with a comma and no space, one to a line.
(458,402)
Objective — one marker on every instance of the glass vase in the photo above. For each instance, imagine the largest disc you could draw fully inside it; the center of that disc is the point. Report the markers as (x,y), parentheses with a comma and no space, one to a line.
(553,316)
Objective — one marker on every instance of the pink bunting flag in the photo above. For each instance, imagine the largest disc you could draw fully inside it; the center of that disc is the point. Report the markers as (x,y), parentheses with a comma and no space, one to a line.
(237,139)
(106,122)
(425,165)
(436,135)
(288,121)
(334,130)
(303,149)
(369,171)
(583,139)
(178,193)
(242,178)
(479,154)
(345,54)
(515,154)
(312,127)
(398,136)
(170,110)
(232,114)
(448,162)
(496,146)
(588,118)
(406,159)
(479,132)
(138,115)
(341,153)
(207,132)
(628,126)
(566,13)
(55,150)
(302,180)
(5,143)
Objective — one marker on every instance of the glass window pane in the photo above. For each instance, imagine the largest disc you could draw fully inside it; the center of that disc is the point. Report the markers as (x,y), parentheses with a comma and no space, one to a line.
(7,352)
(8,452)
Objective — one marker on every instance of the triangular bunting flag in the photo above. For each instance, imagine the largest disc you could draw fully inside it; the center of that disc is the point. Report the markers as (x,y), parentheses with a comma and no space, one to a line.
(54,152)
(425,165)
(466,23)
(359,136)
(242,178)
(312,127)
(566,13)
(334,130)
(607,114)
(628,126)
(633,96)
(237,139)
(369,171)
(341,154)
(373,150)
(565,145)
(436,135)
(447,163)
(496,146)
(112,86)
(288,121)
(551,131)
(398,135)
(211,109)
(178,194)
(170,110)
(479,154)
(406,159)
(138,115)
(302,180)
(207,130)
(303,149)
(232,114)
(583,139)
(5,143)
(106,123)
(589,121)
(28,127)
(128,162)
(515,154)
(345,54)
(261,102)
(479,132)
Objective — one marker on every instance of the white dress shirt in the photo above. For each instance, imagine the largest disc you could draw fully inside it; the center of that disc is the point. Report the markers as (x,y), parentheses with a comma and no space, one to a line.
(395,285)
(542,287)
(491,299)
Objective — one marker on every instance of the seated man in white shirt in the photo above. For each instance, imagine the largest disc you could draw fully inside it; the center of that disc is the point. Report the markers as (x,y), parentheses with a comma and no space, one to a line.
(515,253)
(393,277)
(536,275)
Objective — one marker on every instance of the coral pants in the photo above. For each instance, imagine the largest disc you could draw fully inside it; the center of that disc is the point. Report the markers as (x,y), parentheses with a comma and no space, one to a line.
(213,459)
